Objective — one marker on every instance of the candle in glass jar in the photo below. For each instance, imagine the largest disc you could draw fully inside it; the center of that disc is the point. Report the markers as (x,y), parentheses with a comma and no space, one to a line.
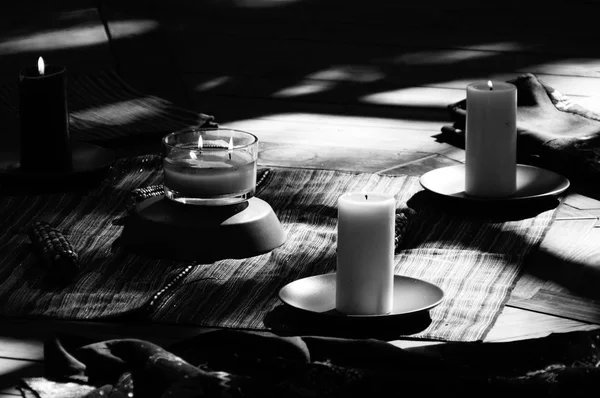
(365,253)
(491,139)
(210,166)
(211,175)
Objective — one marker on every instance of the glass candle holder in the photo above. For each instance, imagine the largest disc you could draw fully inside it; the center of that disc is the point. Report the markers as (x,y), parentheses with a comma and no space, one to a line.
(209,166)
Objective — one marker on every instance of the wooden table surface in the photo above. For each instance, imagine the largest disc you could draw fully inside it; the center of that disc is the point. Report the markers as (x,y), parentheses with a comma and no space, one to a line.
(338,85)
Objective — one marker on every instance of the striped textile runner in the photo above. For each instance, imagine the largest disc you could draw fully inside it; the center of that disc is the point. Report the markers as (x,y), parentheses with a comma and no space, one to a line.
(103,107)
(474,259)
(110,281)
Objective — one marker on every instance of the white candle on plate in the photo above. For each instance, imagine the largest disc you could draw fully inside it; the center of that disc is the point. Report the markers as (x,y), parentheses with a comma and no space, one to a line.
(491,139)
(365,253)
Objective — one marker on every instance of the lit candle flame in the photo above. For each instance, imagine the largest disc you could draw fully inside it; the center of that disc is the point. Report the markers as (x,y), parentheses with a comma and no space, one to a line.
(41,66)
(193,155)
(230,147)
(490,85)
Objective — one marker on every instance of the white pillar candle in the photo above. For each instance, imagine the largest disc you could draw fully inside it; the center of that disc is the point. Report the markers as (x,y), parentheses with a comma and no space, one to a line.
(491,139)
(365,253)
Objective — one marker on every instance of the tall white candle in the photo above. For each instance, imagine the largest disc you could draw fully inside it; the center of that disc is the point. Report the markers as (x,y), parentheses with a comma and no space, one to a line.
(491,139)
(365,253)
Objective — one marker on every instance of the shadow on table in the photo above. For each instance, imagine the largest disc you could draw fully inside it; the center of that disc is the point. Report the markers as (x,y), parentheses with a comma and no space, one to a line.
(288,321)
(489,210)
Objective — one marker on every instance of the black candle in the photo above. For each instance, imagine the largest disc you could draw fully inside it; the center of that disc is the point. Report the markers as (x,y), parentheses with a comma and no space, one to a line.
(44,119)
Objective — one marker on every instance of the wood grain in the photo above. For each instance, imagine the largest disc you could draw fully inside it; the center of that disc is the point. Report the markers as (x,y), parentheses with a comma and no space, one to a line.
(517,324)
(563,305)
(335,158)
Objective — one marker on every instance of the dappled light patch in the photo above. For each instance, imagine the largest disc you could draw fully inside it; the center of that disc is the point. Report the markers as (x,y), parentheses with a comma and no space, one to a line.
(414,96)
(305,87)
(354,73)
(119,113)
(75,37)
(212,83)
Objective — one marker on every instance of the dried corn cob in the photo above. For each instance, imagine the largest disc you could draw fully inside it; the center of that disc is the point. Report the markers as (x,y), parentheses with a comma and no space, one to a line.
(140,194)
(54,248)
(403,219)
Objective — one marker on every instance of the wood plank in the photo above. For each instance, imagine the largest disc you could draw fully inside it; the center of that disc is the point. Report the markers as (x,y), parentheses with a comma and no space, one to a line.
(10,393)
(517,324)
(330,124)
(140,50)
(562,305)
(241,98)
(570,85)
(566,212)
(454,153)
(324,115)
(367,63)
(23,345)
(13,370)
(227,108)
(565,268)
(359,159)
(582,202)
(413,51)
(380,138)
(22,338)
(440,25)
(421,166)
(73,38)
(427,102)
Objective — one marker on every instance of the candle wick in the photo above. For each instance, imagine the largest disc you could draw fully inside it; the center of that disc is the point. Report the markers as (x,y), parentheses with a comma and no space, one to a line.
(229,155)
(366,197)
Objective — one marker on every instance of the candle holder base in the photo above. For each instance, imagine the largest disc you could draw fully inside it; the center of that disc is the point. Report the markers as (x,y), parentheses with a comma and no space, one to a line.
(90,162)
(159,227)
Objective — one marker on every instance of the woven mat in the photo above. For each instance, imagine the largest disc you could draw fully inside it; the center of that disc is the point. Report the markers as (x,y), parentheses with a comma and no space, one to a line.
(474,257)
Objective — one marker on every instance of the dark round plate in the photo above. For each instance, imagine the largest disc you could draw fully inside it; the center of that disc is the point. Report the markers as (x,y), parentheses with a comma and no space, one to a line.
(316,294)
